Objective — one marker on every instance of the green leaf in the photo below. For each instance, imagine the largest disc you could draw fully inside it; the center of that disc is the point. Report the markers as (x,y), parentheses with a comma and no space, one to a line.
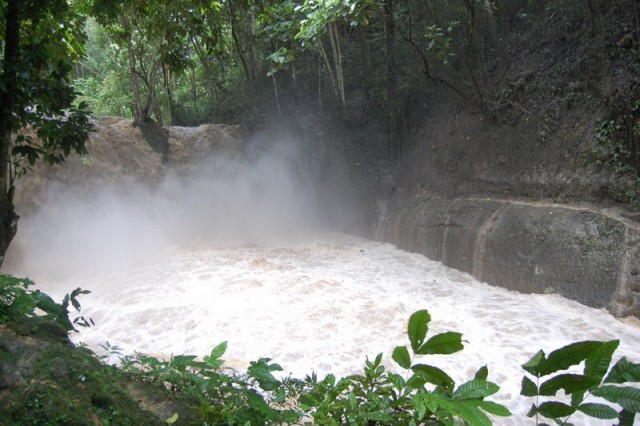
(494,408)
(599,411)
(433,375)
(482,373)
(626,418)
(554,409)
(420,406)
(597,364)
(261,371)
(529,388)
(475,389)
(218,351)
(416,382)
(442,344)
(569,355)
(624,371)
(402,357)
(533,365)
(418,327)
(352,401)
(577,398)
(625,396)
(469,412)
(569,382)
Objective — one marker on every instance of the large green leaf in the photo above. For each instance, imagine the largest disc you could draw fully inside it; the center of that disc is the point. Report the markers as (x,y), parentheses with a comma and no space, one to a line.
(442,344)
(475,389)
(569,382)
(433,375)
(599,411)
(529,388)
(569,355)
(470,413)
(418,327)
(402,357)
(597,364)
(554,409)
(494,408)
(625,396)
(624,371)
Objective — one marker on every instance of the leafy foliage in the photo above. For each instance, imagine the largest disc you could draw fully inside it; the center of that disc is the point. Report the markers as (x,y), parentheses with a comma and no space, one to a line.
(224,396)
(17,301)
(594,381)
(427,395)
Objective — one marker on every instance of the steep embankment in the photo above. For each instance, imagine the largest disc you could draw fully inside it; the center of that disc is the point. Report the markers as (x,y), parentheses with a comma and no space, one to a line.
(120,154)
(538,197)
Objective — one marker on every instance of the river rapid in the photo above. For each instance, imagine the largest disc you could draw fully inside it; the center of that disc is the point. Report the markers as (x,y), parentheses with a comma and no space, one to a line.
(324,304)
(233,249)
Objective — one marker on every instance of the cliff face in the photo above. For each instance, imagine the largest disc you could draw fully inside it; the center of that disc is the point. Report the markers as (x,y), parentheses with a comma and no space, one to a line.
(542,196)
(588,255)
(121,154)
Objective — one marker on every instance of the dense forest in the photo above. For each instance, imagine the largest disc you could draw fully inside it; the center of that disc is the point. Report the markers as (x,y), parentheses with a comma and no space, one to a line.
(383,64)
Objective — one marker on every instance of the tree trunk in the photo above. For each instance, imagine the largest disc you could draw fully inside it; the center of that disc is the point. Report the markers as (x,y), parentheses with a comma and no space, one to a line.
(251,39)
(334,40)
(329,69)
(364,48)
(236,42)
(393,133)
(8,217)
(214,85)
(138,117)
(170,102)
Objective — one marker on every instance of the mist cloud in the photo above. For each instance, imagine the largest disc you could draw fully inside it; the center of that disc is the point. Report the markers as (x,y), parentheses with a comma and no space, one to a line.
(278,188)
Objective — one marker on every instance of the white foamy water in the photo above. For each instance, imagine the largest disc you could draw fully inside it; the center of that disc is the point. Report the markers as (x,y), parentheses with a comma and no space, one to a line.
(324,305)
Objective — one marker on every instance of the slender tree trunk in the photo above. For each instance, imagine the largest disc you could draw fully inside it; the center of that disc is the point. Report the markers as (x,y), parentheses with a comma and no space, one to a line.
(393,133)
(329,70)
(319,86)
(334,40)
(167,87)
(364,48)
(137,105)
(236,42)
(251,39)
(214,86)
(8,217)
(275,91)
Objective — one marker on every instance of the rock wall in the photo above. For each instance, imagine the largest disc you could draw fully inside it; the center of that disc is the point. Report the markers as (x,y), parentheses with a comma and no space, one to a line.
(589,255)
(118,153)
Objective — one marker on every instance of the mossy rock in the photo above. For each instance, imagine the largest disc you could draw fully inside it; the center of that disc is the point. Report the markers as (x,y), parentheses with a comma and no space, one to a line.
(46,380)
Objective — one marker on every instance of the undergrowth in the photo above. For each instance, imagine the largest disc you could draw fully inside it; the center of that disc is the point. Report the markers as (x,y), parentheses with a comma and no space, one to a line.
(424,395)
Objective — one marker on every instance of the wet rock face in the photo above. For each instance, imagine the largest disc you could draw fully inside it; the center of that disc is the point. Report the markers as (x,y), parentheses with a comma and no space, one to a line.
(583,254)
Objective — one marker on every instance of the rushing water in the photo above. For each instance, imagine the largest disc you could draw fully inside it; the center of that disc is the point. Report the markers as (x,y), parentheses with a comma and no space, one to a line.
(324,305)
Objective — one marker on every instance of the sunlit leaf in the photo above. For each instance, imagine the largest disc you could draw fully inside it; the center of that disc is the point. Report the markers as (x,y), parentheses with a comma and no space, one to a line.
(418,327)
(402,357)
(442,344)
